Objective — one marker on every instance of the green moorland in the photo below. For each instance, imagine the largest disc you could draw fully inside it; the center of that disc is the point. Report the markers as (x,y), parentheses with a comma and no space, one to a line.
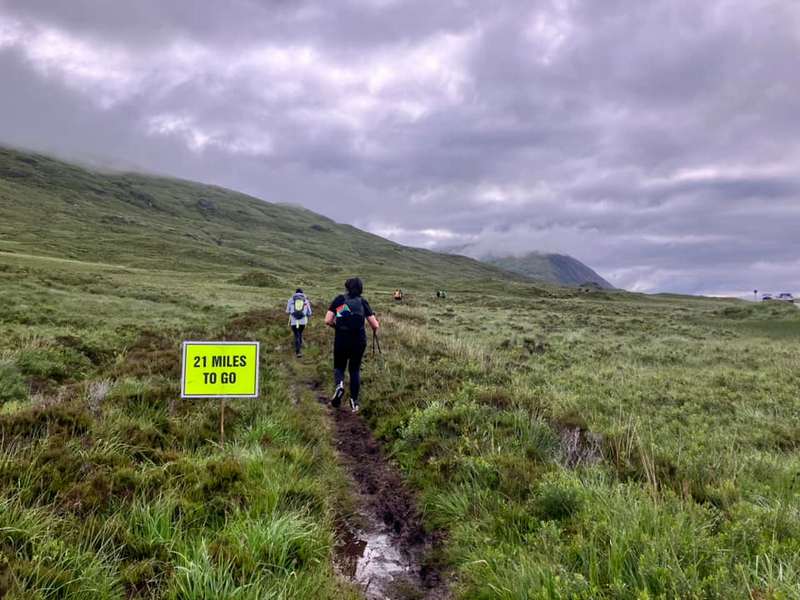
(568,445)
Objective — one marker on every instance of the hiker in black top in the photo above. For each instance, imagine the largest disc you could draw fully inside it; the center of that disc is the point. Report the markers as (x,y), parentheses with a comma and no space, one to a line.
(347,314)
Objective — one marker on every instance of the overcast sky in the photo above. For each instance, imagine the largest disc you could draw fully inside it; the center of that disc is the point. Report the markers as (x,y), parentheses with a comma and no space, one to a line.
(656,140)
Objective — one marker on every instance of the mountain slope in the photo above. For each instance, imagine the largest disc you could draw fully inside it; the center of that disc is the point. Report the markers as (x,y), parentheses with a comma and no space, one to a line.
(52,208)
(558,269)
(553,268)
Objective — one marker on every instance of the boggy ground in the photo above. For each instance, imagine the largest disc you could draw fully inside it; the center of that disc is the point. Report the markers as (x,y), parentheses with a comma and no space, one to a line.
(606,446)
(382,544)
(121,490)
(389,552)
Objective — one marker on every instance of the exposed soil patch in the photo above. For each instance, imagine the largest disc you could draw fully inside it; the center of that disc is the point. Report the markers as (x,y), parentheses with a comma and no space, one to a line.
(385,547)
(579,446)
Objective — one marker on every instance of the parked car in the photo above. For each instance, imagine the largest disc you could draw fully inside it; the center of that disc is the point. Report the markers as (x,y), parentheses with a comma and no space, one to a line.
(785,297)
(765,297)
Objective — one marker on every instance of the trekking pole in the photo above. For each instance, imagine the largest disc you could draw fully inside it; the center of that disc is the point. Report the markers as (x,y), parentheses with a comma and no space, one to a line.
(376,343)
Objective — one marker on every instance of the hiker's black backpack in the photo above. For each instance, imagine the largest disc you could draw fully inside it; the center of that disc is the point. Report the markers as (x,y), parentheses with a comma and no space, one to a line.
(298,306)
(350,316)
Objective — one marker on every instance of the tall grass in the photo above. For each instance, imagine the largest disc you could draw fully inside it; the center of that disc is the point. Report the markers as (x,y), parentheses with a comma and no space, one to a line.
(691,497)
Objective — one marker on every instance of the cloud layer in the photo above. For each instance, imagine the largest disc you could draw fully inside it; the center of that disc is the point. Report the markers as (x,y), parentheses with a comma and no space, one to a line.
(658,142)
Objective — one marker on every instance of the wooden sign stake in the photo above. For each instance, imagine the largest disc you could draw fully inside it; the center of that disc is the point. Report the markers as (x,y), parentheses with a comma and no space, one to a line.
(222,424)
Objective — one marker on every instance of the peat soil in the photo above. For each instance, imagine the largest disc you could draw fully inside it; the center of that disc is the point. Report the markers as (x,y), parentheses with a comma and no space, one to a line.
(384,547)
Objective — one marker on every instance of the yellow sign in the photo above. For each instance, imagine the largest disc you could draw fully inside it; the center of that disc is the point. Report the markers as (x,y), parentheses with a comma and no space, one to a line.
(220,370)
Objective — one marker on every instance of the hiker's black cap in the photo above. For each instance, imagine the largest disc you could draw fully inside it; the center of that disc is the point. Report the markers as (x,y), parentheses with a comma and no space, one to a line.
(298,291)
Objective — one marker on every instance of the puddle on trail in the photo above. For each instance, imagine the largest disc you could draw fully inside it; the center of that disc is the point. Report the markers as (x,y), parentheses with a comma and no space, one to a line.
(372,560)
(382,548)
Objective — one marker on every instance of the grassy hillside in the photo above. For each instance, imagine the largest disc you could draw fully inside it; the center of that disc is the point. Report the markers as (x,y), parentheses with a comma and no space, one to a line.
(567,445)
(552,268)
(51,208)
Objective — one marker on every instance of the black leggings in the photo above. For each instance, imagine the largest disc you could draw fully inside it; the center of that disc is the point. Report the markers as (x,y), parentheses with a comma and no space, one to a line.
(298,337)
(348,356)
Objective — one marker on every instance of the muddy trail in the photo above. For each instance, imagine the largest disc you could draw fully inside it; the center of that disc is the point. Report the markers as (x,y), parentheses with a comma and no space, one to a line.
(381,543)
(384,547)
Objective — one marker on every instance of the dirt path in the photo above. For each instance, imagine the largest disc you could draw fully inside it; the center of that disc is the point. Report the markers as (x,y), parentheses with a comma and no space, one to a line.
(381,544)
(384,548)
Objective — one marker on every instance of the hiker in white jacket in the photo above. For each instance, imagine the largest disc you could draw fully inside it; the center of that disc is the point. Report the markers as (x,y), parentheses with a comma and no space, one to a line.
(299,310)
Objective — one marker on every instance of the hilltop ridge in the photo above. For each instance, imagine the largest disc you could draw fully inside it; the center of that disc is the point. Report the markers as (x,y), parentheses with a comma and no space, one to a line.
(53,208)
(557,269)
(553,268)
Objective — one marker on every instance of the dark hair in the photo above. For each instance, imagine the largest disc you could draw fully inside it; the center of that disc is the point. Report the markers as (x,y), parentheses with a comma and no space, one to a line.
(354,286)
(298,291)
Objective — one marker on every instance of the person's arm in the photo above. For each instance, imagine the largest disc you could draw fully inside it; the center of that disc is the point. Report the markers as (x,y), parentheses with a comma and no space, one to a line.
(308,307)
(330,316)
(371,318)
(373,322)
(289,306)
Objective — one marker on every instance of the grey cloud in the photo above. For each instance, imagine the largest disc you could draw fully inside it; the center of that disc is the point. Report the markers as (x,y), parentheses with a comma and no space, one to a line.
(656,141)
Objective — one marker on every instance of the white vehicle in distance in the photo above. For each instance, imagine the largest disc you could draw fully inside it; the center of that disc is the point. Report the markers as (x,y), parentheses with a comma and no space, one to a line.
(785,297)
(765,297)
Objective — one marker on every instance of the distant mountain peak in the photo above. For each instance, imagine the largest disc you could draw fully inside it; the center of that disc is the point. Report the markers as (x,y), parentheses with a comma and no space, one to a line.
(550,267)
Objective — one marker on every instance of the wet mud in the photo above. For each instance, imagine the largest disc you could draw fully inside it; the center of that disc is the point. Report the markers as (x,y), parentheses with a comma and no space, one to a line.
(384,548)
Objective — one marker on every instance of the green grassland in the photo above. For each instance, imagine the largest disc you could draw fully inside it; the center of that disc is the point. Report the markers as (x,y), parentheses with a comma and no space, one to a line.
(111,486)
(568,445)
(584,448)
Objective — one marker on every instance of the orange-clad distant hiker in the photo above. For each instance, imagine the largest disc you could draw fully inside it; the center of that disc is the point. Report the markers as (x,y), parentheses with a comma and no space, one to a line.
(299,310)
(347,314)
(398,295)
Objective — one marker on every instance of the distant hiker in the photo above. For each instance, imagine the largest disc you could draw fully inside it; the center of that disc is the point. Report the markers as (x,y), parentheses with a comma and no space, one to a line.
(398,295)
(347,315)
(299,310)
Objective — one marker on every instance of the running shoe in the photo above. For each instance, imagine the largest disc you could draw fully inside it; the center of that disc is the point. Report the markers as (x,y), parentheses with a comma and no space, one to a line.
(354,404)
(336,401)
